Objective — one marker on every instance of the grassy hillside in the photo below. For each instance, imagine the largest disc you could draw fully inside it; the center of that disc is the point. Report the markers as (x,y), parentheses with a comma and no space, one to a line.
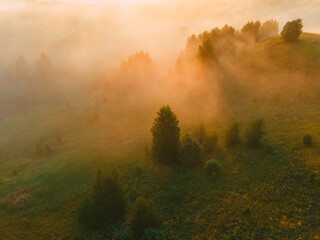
(258,196)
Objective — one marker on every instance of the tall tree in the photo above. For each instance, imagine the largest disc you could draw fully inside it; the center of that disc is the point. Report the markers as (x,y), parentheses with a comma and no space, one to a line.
(251,31)
(269,29)
(166,136)
(292,30)
(206,52)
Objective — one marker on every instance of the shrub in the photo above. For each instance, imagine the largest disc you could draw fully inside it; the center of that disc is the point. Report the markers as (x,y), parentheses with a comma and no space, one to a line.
(106,205)
(174,194)
(199,134)
(210,143)
(124,234)
(98,235)
(233,135)
(212,167)
(191,153)
(48,150)
(254,134)
(137,170)
(292,30)
(144,217)
(312,177)
(307,140)
(166,136)
(268,149)
(153,234)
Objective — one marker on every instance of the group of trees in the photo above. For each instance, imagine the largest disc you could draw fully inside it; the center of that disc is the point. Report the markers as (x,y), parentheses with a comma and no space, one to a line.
(106,208)
(209,44)
(167,147)
(256,31)
(23,72)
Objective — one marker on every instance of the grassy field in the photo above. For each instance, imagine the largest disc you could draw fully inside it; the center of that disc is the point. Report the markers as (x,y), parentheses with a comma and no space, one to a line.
(258,196)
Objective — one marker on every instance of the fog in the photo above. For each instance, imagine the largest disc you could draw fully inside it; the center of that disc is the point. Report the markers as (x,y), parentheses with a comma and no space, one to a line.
(60,49)
(106,32)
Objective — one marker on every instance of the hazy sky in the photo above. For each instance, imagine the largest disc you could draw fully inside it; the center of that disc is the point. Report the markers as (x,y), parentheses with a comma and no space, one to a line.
(113,29)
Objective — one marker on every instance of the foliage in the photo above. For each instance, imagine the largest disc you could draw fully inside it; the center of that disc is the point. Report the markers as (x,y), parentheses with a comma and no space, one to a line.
(206,52)
(210,143)
(166,136)
(124,234)
(153,234)
(233,135)
(137,62)
(212,167)
(254,134)
(268,149)
(191,152)
(137,169)
(269,29)
(200,133)
(307,140)
(312,177)
(98,235)
(106,205)
(174,194)
(251,30)
(292,30)
(144,217)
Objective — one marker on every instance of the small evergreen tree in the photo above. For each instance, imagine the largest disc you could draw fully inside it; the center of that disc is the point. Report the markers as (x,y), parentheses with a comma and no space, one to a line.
(144,217)
(106,204)
(210,143)
(166,136)
(212,166)
(254,134)
(307,140)
(233,135)
(292,30)
(191,153)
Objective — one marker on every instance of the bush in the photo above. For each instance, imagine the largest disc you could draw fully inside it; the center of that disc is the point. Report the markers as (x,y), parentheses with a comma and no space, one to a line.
(106,205)
(233,135)
(153,234)
(166,136)
(199,134)
(210,143)
(254,134)
(123,235)
(191,153)
(212,167)
(144,217)
(307,140)
(174,194)
(292,30)
(268,149)
(98,235)
(312,177)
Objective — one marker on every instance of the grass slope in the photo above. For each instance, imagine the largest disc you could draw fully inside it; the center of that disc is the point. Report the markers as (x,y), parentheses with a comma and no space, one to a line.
(258,196)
